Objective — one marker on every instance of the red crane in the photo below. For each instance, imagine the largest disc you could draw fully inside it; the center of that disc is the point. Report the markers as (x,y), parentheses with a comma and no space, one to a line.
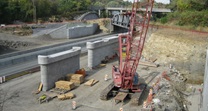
(132,43)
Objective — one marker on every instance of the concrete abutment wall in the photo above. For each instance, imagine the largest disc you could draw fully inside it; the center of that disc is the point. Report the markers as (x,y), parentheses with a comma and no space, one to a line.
(205,90)
(56,66)
(80,31)
(98,50)
(66,31)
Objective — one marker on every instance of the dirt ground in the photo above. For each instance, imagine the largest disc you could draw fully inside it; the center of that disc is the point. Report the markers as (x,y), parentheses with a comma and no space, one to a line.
(11,43)
(185,51)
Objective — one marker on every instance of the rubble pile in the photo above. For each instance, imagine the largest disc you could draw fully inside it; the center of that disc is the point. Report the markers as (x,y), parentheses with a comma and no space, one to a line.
(170,93)
(15,44)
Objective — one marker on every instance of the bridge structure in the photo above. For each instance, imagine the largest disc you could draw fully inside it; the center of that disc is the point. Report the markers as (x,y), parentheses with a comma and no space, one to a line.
(119,18)
(116,10)
(122,19)
(154,10)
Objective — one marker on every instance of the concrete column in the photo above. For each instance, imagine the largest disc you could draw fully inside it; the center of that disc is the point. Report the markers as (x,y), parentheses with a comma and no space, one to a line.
(56,66)
(98,50)
(106,11)
(67,33)
(121,11)
(99,13)
(205,89)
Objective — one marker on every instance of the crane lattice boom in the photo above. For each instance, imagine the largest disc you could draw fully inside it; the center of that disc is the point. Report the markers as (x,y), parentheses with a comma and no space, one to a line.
(132,44)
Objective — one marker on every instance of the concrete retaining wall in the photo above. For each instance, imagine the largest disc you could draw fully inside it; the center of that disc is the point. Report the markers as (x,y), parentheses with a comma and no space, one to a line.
(98,50)
(56,66)
(205,90)
(79,31)
(59,32)
(66,31)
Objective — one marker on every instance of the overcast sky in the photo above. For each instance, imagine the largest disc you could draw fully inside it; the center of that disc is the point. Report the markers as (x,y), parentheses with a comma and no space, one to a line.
(162,1)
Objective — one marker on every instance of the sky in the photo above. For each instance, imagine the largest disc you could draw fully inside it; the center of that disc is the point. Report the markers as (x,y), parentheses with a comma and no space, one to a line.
(161,1)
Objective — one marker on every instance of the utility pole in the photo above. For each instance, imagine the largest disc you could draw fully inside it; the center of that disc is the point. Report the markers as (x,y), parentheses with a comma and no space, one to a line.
(34,11)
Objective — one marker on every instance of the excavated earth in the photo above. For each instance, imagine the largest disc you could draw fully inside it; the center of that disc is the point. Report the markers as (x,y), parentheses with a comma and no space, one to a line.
(185,51)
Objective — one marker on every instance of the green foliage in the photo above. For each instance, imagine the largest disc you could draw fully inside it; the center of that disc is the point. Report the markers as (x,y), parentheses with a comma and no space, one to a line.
(113,4)
(188,12)
(15,10)
(195,18)
(66,6)
(164,20)
(99,4)
(23,10)
(182,5)
(43,8)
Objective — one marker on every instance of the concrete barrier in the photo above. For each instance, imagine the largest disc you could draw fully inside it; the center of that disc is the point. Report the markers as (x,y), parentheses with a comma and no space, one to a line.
(56,66)
(205,90)
(98,50)
(80,31)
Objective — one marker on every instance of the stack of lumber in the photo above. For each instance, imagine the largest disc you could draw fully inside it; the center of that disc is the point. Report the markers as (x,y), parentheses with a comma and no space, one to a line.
(67,85)
(68,95)
(91,82)
(75,78)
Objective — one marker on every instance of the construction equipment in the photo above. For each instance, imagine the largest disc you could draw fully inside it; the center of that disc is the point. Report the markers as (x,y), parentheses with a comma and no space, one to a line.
(125,78)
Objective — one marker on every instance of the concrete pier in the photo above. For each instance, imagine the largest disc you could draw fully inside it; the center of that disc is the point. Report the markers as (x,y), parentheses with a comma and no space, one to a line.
(98,50)
(56,66)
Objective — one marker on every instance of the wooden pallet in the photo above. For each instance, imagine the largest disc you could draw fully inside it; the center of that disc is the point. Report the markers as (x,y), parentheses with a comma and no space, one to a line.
(91,82)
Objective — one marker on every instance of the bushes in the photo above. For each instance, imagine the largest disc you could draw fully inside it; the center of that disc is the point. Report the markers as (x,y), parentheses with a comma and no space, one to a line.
(164,20)
(195,18)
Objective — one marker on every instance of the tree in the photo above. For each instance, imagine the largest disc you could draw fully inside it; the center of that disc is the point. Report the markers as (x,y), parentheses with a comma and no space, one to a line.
(43,8)
(4,13)
(113,4)
(26,10)
(183,5)
(99,4)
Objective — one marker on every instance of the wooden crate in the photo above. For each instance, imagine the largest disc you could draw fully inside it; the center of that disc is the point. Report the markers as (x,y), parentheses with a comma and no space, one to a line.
(77,77)
(64,85)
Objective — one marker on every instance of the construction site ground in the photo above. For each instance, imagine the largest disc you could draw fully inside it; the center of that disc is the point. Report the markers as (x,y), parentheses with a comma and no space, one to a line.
(184,50)
(18,94)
